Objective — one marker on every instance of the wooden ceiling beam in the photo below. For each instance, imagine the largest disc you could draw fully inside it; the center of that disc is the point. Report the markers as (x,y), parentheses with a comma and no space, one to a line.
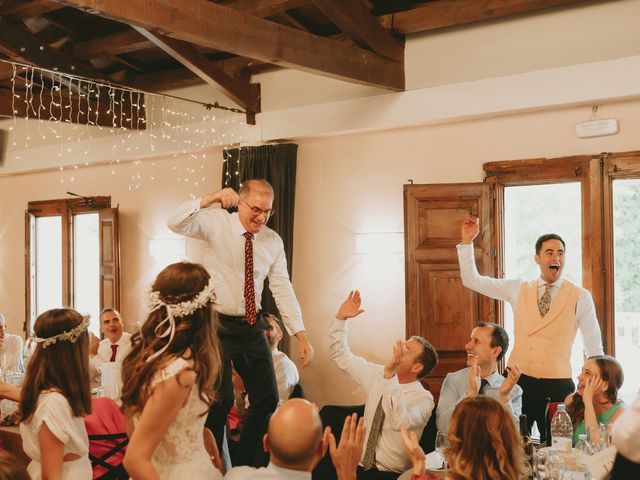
(245,94)
(28,8)
(63,109)
(356,21)
(109,45)
(222,28)
(22,46)
(449,13)
(265,8)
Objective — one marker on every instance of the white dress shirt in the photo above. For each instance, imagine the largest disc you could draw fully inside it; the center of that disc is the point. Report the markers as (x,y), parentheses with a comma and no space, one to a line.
(224,259)
(407,402)
(454,389)
(104,352)
(12,348)
(270,472)
(508,290)
(286,374)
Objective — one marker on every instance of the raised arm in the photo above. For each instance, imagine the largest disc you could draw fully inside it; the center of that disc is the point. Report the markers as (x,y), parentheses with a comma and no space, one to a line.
(188,219)
(358,368)
(500,289)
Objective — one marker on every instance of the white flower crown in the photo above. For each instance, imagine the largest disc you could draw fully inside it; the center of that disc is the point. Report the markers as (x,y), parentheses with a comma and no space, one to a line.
(68,336)
(177,310)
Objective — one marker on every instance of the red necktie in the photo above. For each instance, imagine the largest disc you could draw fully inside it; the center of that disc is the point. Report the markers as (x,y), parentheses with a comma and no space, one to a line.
(114,350)
(249,292)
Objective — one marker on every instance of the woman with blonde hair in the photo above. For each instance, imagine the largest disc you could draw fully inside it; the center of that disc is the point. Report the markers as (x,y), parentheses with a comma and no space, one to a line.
(483,443)
(169,377)
(596,399)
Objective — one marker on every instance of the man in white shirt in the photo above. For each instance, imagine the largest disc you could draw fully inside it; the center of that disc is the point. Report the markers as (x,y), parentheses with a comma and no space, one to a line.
(395,395)
(241,252)
(548,312)
(116,344)
(296,443)
(10,347)
(487,345)
(286,371)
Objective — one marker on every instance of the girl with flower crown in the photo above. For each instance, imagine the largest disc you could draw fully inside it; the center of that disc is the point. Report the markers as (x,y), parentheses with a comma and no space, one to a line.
(169,377)
(55,396)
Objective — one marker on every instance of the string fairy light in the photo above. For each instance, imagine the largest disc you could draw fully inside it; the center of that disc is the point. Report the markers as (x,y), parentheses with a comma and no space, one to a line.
(76,110)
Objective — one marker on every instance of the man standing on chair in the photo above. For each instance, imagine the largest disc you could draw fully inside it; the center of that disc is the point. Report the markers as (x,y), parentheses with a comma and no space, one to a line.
(548,312)
(241,252)
(395,395)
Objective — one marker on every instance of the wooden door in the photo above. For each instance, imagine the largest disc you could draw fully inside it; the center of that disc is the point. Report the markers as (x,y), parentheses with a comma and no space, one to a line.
(109,258)
(439,307)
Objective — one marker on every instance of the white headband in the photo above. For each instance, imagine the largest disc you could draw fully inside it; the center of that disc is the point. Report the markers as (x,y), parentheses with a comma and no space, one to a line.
(177,310)
(68,336)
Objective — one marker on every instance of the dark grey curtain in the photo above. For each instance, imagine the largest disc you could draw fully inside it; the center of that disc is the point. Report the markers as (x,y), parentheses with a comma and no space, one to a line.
(277,165)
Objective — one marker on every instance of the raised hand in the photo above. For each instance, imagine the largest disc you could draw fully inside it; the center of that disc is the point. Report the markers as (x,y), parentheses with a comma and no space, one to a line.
(470,229)
(345,457)
(227,197)
(513,375)
(473,378)
(399,351)
(411,445)
(350,307)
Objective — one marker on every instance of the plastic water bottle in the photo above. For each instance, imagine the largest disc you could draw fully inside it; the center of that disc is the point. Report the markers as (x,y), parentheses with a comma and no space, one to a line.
(584,451)
(561,430)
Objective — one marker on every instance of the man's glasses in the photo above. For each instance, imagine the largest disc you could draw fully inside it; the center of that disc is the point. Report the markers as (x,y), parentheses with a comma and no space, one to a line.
(258,211)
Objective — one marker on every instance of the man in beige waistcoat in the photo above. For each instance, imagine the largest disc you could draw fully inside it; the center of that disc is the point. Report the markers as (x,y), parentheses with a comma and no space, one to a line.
(548,312)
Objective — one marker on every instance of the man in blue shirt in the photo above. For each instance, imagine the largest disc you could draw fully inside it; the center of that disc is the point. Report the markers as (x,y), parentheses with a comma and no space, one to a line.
(487,344)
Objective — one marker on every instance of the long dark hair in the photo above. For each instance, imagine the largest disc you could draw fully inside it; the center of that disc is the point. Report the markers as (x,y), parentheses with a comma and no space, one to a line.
(62,366)
(611,372)
(195,339)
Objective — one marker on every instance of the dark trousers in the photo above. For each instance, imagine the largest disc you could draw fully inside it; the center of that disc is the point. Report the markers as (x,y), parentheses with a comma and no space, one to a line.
(374,474)
(535,392)
(247,349)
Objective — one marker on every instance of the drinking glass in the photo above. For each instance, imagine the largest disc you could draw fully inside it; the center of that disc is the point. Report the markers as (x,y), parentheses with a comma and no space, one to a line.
(554,467)
(442,442)
(540,458)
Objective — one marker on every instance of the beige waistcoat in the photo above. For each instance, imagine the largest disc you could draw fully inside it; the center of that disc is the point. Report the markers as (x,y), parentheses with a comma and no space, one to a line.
(542,346)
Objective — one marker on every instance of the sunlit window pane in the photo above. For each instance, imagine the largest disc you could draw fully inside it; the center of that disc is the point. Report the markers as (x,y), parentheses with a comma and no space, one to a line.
(48,262)
(529,212)
(87,267)
(626,226)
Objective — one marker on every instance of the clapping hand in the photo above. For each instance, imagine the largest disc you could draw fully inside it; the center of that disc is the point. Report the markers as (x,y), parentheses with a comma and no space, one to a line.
(345,457)
(414,450)
(350,307)
(399,351)
(473,378)
(513,375)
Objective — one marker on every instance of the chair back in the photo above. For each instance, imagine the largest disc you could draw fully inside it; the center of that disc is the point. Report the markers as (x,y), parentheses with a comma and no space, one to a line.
(107,430)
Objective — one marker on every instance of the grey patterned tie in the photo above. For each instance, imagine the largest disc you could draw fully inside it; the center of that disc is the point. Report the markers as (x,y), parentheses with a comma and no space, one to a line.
(369,459)
(544,304)
(484,383)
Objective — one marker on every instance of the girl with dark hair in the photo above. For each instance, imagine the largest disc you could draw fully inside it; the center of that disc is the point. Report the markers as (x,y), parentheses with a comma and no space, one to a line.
(169,376)
(55,396)
(596,399)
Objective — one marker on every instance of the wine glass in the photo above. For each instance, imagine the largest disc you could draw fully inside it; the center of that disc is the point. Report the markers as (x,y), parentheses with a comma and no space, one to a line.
(442,443)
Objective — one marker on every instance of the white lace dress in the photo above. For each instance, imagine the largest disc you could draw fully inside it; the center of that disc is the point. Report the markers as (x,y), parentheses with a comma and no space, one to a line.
(181,453)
